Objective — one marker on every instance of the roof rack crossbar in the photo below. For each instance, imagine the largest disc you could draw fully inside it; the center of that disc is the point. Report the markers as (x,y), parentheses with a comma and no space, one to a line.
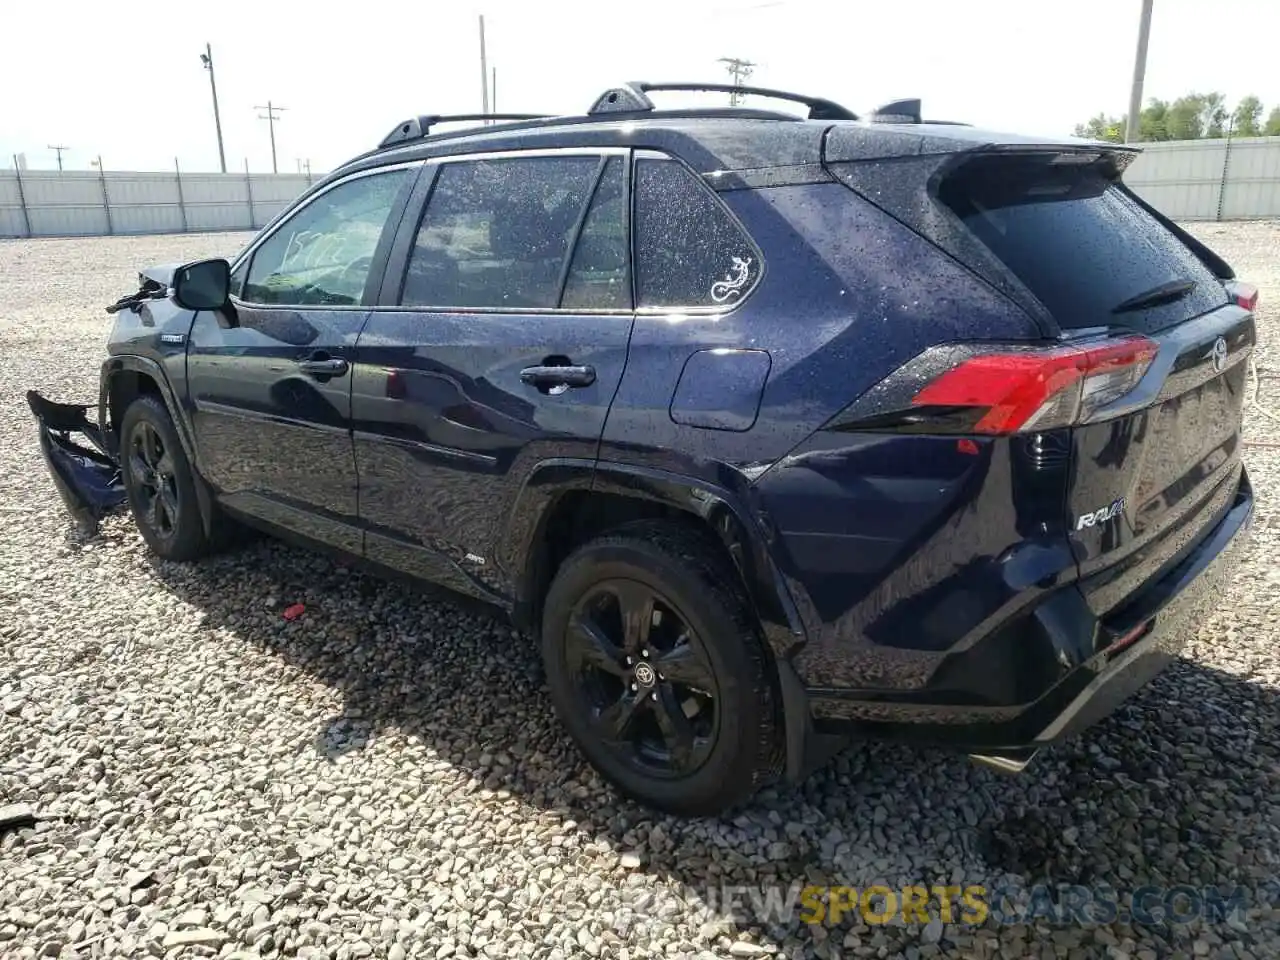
(633,97)
(416,128)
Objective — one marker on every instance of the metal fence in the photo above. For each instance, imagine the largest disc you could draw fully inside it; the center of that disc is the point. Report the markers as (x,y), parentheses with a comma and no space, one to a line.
(1237,179)
(51,203)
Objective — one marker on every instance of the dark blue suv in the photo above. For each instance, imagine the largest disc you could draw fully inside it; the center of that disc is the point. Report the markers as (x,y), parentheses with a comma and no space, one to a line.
(773,429)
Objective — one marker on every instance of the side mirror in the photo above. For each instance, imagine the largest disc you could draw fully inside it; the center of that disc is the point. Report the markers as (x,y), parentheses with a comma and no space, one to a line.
(203,285)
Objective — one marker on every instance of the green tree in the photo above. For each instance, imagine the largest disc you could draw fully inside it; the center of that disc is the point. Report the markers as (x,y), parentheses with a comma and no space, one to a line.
(1151,122)
(1102,127)
(1183,121)
(1247,117)
(1213,114)
(1190,117)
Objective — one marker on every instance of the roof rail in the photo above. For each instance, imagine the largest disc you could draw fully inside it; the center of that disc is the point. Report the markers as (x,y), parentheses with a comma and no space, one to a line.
(633,98)
(416,128)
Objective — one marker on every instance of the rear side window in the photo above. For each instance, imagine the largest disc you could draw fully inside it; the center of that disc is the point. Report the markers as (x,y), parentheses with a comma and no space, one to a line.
(1082,247)
(496,233)
(689,251)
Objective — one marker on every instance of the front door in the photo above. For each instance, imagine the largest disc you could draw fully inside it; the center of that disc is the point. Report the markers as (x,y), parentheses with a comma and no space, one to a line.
(500,345)
(270,387)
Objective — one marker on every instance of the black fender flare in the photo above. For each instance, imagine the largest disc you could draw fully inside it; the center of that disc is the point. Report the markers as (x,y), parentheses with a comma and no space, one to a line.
(728,514)
(112,367)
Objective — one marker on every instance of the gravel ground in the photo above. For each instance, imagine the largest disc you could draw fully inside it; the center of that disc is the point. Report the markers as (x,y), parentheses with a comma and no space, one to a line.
(384,777)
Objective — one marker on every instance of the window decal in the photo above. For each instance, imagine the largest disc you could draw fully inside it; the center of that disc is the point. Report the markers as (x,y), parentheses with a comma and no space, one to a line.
(733,282)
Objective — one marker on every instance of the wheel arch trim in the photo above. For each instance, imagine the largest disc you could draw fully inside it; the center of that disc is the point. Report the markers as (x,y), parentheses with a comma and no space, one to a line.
(722,511)
(113,366)
(117,364)
(719,508)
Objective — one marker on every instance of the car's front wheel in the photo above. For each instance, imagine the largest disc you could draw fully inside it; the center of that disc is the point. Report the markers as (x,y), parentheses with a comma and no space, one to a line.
(657,669)
(159,482)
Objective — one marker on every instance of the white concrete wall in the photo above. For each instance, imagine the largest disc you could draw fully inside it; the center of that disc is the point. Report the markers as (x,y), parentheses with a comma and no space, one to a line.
(48,203)
(1184,178)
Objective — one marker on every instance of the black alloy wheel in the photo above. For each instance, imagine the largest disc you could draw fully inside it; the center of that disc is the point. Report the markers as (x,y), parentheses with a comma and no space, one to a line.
(154,473)
(162,486)
(645,677)
(657,668)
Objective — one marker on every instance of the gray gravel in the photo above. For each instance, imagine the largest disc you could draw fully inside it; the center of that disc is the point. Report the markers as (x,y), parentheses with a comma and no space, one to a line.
(383,777)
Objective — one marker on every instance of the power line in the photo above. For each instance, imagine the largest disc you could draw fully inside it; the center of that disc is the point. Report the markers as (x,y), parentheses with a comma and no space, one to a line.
(740,70)
(271,119)
(59,150)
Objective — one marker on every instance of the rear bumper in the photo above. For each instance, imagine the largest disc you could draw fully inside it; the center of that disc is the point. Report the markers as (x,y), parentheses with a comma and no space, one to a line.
(1168,612)
(1132,647)
(79,458)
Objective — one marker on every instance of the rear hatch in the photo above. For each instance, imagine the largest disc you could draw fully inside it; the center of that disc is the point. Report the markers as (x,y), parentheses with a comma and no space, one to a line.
(1152,470)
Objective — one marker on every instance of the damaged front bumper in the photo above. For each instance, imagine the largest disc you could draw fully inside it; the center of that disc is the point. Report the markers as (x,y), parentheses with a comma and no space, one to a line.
(81,459)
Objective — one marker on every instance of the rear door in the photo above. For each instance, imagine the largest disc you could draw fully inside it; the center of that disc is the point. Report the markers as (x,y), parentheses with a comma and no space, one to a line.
(499,341)
(271,392)
(1162,466)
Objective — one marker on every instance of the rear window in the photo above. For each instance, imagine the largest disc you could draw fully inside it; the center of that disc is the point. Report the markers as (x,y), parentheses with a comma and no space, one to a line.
(1079,244)
(689,251)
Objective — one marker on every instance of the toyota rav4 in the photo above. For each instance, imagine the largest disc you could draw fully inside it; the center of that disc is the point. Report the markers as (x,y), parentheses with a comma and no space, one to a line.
(773,430)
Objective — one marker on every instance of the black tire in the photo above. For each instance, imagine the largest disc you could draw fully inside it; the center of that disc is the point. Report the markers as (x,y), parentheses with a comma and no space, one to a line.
(645,749)
(160,483)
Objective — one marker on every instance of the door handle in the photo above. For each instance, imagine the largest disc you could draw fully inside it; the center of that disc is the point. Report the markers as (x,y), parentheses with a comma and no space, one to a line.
(557,376)
(322,366)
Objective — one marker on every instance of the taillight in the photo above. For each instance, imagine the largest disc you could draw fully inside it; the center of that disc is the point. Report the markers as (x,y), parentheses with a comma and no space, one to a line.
(1021,390)
(1244,294)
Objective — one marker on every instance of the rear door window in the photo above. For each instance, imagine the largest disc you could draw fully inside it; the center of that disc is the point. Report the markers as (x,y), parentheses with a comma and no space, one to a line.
(690,252)
(1079,244)
(598,276)
(496,233)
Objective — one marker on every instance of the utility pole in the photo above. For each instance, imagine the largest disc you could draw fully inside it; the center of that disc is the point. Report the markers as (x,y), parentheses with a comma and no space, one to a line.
(1132,128)
(493,89)
(271,118)
(59,150)
(207,59)
(484,70)
(740,70)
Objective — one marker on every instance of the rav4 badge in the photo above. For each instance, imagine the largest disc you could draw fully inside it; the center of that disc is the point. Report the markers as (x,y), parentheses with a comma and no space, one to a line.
(1098,516)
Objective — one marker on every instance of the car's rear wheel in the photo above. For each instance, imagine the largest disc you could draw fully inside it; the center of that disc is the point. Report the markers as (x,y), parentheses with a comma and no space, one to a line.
(159,482)
(657,669)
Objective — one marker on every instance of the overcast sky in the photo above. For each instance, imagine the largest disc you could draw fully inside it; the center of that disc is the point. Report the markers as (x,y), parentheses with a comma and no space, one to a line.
(124,79)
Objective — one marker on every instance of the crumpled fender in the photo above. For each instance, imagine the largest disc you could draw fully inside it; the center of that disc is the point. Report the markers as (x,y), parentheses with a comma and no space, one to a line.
(86,475)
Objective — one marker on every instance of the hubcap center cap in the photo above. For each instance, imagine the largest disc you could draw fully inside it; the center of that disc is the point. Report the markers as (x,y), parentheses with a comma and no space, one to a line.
(645,675)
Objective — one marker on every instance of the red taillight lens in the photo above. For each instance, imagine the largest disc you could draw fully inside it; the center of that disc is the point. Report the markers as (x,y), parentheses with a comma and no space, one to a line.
(1244,294)
(1041,389)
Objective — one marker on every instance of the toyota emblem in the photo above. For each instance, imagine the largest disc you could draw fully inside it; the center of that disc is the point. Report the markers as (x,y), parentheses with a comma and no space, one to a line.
(1219,354)
(645,675)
